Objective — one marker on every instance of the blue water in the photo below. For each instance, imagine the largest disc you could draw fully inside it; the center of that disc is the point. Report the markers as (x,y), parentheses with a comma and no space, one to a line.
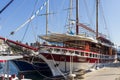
(35,75)
(12,68)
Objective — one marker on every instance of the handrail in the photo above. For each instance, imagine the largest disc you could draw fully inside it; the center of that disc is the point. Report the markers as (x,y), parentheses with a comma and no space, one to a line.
(93,53)
(20,44)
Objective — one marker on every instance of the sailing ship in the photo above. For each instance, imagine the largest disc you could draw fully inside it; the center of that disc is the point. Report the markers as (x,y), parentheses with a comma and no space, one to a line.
(69,53)
(73,52)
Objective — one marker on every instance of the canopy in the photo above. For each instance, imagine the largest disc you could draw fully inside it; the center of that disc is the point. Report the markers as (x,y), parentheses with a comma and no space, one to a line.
(66,37)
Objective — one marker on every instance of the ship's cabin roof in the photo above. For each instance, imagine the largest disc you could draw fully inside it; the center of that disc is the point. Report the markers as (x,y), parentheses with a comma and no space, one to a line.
(66,37)
(102,39)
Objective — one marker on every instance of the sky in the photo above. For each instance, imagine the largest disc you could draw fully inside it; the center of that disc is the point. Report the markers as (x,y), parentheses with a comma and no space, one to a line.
(21,10)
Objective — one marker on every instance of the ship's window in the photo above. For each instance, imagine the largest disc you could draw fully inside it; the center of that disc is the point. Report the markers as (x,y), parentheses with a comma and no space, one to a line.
(71,52)
(64,51)
(93,55)
(57,50)
(90,54)
(49,49)
(82,53)
(76,52)
(107,56)
(87,54)
(96,55)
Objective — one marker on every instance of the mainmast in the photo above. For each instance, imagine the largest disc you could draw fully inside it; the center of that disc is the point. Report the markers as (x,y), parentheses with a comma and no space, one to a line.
(47,9)
(97,4)
(77,20)
(70,13)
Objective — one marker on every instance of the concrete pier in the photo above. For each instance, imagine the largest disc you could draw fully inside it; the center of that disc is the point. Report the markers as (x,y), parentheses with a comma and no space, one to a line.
(111,72)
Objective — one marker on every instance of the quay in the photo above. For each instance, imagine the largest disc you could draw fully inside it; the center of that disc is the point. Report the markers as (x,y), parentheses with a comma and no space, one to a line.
(111,72)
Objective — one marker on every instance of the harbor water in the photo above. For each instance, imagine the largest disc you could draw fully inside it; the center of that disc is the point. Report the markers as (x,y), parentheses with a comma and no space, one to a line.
(34,75)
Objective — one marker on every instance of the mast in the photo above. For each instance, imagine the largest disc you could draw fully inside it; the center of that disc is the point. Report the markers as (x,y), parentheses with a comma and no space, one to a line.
(47,5)
(77,20)
(97,2)
(70,14)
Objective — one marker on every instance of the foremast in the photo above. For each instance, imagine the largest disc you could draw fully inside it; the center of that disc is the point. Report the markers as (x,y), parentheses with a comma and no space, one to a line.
(97,4)
(77,18)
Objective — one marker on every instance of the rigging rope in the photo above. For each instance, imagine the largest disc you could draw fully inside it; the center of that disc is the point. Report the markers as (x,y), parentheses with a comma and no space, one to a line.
(102,11)
(30,19)
(25,32)
(54,62)
(88,13)
(35,67)
(29,22)
(6,6)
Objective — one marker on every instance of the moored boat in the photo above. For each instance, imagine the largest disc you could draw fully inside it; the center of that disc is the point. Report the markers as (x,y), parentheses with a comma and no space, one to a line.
(68,53)
(72,52)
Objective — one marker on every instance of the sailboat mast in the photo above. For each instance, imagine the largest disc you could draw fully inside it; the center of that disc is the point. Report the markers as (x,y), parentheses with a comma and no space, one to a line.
(77,20)
(47,5)
(97,3)
(70,13)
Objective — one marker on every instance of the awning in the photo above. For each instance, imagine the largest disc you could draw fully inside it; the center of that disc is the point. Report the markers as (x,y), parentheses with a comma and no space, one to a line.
(65,37)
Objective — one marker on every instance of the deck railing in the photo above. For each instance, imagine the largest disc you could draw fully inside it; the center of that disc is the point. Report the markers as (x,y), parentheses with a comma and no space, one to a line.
(74,52)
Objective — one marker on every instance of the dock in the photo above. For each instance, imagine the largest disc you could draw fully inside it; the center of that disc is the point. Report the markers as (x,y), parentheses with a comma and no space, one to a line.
(111,72)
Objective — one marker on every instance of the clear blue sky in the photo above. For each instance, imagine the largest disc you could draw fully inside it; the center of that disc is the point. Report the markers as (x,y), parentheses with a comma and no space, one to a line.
(20,10)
